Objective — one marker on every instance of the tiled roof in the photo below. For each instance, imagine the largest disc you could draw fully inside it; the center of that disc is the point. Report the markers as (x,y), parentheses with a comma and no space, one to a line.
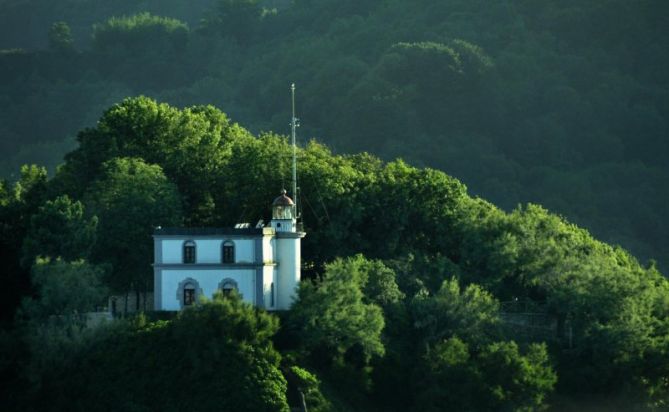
(205,231)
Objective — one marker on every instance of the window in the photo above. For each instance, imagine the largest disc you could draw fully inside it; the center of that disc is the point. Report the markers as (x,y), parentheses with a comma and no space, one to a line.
(227,286)
(228,252)
(284,212)
(189,294)
(189,251)
(271,295)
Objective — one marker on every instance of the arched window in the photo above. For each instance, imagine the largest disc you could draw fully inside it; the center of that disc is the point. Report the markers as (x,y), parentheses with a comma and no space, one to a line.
(228,252)
(188,292)
(227,286)
(189,252)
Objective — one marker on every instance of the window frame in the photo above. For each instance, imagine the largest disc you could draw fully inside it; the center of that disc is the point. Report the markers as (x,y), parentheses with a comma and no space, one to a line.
(189,293)
(181,294)
(228,252)
(189,257)
(232,285)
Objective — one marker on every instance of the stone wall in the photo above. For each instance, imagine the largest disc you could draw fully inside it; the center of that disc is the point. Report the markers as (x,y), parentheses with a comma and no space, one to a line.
(117,303)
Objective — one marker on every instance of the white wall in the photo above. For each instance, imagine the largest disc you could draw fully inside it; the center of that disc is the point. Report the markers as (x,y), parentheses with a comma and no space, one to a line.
(288,274)
(269,277)
(284,225)
(267,249)
(207,250)
(208,279)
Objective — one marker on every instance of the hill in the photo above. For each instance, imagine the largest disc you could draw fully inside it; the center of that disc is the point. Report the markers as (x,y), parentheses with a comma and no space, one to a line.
(416,296)
(559,103)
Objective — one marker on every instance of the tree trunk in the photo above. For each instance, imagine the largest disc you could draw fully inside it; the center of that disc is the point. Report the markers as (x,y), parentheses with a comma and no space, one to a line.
(304,402)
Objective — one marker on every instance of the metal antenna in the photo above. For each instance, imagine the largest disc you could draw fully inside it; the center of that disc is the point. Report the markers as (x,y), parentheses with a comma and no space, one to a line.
(294,124)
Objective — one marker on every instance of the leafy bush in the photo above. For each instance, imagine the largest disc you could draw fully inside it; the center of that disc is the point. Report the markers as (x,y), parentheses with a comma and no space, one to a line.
(498,378)
(141,32)
(59,229)
(331,315)
(215,356)
(308,385)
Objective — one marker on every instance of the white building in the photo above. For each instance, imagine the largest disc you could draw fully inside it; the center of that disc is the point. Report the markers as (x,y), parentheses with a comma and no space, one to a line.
(261,263)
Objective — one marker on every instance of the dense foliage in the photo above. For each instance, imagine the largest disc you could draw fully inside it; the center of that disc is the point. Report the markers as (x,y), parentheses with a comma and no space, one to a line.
(218,356)
(64,288)
(563,103)
(410,284)
(130,198)
(59,228)
(141,33)
(332,318)
(496,378)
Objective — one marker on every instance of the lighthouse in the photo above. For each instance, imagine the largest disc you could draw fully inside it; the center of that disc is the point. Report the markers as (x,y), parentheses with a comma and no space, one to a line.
(288,249)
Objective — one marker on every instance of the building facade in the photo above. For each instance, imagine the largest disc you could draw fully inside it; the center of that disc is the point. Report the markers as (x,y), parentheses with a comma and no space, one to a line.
(262,264)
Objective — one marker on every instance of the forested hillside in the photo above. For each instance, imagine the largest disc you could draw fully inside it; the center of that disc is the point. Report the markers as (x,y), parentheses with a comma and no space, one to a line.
(415,294)
(564,103)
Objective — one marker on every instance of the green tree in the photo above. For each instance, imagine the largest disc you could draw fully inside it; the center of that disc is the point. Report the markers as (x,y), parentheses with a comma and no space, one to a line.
(308,389)
(380,286)
(141,32)
(60,37)
(447,378)
(31,188)
(617,326)
(498,378)
(131,198)
(215,356)
(64,289)
(59,229)
(332,318)
(17,204)
(513,381)
(235,18)
(471,314)
(190,146)
(53,324)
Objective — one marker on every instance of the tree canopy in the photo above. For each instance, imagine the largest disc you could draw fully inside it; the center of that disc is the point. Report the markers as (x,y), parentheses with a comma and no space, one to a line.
(59,229)
(216,356)
(562,104)
(131,199)
(409,281)
(331,316)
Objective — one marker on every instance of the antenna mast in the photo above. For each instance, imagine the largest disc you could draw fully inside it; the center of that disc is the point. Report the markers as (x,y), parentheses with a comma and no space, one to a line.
(293,125)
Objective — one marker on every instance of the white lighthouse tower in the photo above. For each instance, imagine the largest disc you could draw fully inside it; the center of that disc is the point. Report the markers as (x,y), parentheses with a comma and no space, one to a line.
(288,251)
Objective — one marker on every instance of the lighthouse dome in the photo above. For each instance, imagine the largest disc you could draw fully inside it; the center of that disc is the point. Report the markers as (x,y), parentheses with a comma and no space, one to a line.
(283,200)
(283,207)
